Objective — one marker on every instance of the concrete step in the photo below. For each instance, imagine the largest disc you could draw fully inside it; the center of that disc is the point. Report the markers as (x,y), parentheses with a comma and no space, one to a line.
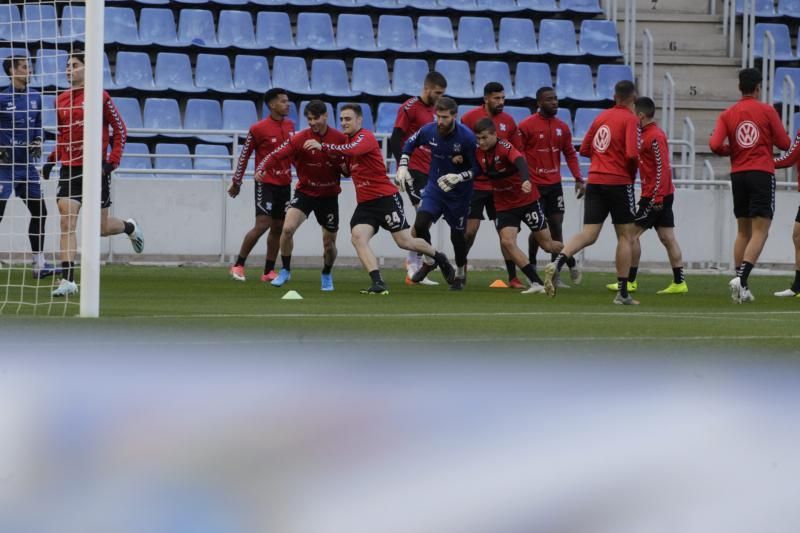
(698,78)
(682,35)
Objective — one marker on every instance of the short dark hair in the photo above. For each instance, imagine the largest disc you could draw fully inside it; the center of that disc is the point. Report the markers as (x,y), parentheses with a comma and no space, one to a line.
(78,54)
(435,79)
(315,108)
(273,93)
(355,108)
(12,62)
(624,89)
(749,80)
(484,124)
(646,105)
(493,87)
(445,103)
(541,90)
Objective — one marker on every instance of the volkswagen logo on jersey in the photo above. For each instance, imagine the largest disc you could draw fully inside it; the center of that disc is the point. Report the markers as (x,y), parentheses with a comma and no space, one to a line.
(602,138)
(747,134)
(503,127)
(456,147)
(558,132)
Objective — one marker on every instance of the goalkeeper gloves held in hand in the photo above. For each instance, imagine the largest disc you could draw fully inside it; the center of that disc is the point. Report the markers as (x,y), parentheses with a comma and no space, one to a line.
(449,181)
(403,177)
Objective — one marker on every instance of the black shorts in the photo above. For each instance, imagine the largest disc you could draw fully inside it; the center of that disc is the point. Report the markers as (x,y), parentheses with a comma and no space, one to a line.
(325,208)
(482,201)
(385,212)
(552,199)
(647,217)
(618,200)
(70,185)
(272,200)
(532,215)
(414,189)
(753,194)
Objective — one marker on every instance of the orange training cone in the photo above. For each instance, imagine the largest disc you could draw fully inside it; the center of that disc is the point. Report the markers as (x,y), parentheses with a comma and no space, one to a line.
(499,284)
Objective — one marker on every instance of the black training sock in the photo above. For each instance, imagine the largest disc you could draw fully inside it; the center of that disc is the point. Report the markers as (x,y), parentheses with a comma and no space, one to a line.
(68,270)
(632,273)
(376,276)
(622,286)
(571,262)
(560,261)
(240,261)
(530,271)
(796,284)
(128,228)
(511,267)
(269,266)
(745,272)
(677,275)
(326,268)
(286,260)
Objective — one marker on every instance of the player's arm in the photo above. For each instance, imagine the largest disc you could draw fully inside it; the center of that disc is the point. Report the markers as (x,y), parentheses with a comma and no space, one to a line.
(779,136)
(119,132)
(632,143)
(396,143)
(241,165)
(360,145)
(586,144)
(283,152)
(522,169)
(718,136)
(403,178)
(36,140)
(792,156)
(660,151)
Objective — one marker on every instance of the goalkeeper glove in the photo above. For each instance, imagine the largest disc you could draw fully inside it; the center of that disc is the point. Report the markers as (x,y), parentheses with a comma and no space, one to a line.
(47,169)
(403,176)
(449,181)
(36,148)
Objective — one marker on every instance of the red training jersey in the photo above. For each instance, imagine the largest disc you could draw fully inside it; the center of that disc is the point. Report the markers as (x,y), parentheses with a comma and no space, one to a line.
(412,115)
(751,128)
(654,168)
(264,137)
(543,140)
(506,182)
(367,168)
(506,129)
(791,157)
(612,143)
(318,174)
(69,142)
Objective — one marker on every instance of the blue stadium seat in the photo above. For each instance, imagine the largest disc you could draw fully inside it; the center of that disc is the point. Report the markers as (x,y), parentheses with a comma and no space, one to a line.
(274,30)
(540,6)
(371,76)
(608,76)
(786,8)
(530,77)
(460,5)
(302,122)
(584,117)
(429,5)
(213,71)
(131,114)
(780,74)
(575,82)
(517,35)
(41,23)
(174,71)
(355,33)
(204,114)
(500,6)
(435,34)
(387,113)
(238,114)
(563,114)
(196,26)
(385,4)
(181,161)
(519,113)
(366,111)
(329,76)
(11,28)
(582,6)
(764,8)
(235,28)
(251,73)
(396,32)
(49,119)
(783,42)
(162,114)
(487,71)
(291,74)
(408,76)
(599,38)
(135,156)
(73,24)
(108,81)
(557,37)
(315,31)
(49,69)
(459,81)
(476,34)
(230,2)
(212,157)
(134,71)
(157,27)
(120,26)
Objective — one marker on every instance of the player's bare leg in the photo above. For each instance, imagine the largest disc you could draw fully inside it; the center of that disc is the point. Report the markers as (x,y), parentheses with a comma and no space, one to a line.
(294,219)
(329,254)
(626,234)
(586,237)
(273,247)
(508,242)
(555,223)
(473,224)
(115,226)
(250,239)
(678,285)
(794,290)
(404,240)
(750,239)
(414,260)
(69,210)
(360,236)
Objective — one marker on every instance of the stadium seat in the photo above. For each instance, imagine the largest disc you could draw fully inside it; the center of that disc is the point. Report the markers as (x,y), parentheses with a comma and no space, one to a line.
(584,117)
(783,42)
(487,71)
(368,124)
(41,23)
(384,4)
(387,113)
(396,33)
(153,2)
(108,81)
(530,77)
(73,24)
(500,6)
(120,26)
(329,76)
(204,114)
(134,71)
(428,5)
(459,81)
(517,35)
(157,27)
(302,121)
(540,6)
(251,73)
(371,76)
(608,76)
(557,37)
(174,71)
(354,32)
(780,74)
(196,26)
(11,28)
(238,114)
(49,119)
(291,74)
(435,34)
(131,114)
(582,6)
(575,82)
(764,8)
(476,34)
(162,114)
(236,29)
(274,30)
(599,38)
(408,76)
(315,31)
(212,157)
(181,161)
(786,8)
(131,161)
(519,113)
(460,5)
(563,114)
(213,71)
(49,69)
(293,116)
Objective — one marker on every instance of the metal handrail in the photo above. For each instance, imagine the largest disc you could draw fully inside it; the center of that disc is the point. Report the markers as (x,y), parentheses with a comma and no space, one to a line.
(687,149)
(668,105)
(629,38)
(787,114)
(748,32)
(648,63)
(768,69)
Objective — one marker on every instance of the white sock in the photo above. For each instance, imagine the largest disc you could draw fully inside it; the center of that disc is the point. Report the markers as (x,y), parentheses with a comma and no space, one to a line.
(38,259)
(461,272)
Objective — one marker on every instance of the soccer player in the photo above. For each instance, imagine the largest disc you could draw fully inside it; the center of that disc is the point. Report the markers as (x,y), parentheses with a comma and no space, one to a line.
(494,98)
(317,189)
(69,151)
(516,200)
(544,137)
(612,145)
(20,144)
(273,190)
(412,115)
(751,128)
(792,157)
(655,204)
(453,166)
